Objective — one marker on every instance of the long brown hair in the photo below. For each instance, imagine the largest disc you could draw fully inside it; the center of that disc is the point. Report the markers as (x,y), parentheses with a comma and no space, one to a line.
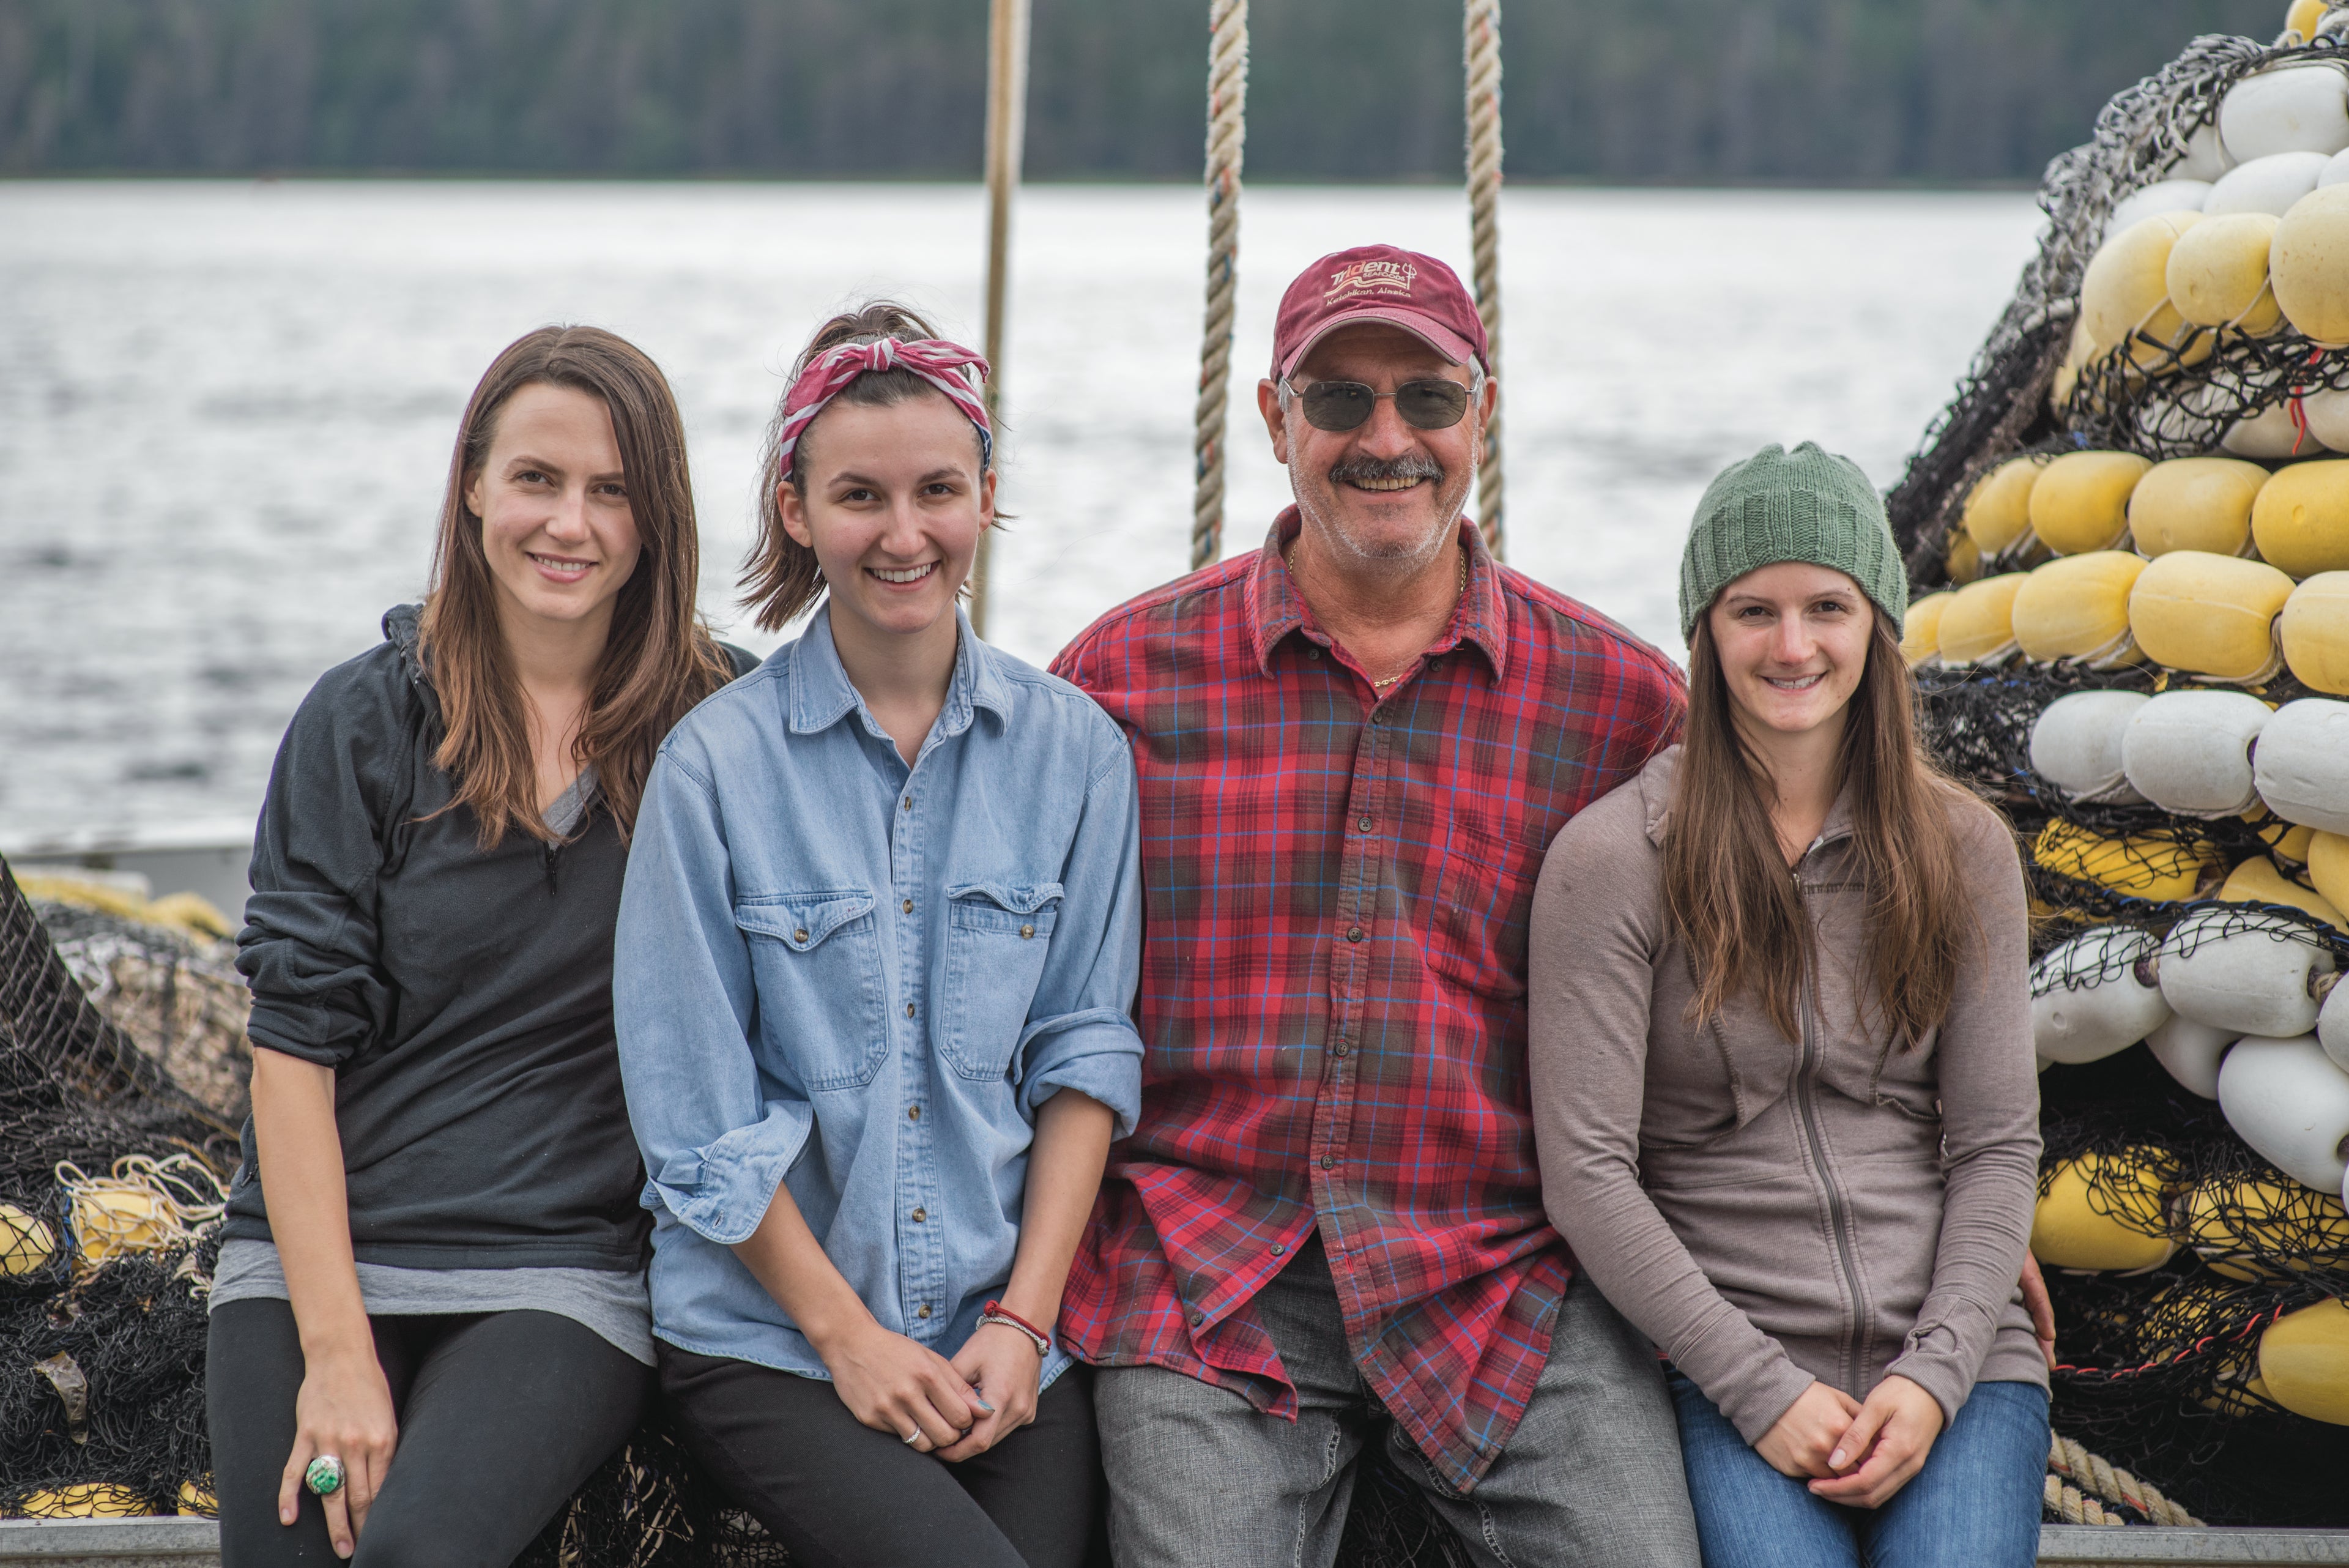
(658,660)
(781,578)
(1728,891)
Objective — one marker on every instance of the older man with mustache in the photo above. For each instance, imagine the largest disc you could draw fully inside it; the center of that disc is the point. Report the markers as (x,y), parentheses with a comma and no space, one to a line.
(1354,746)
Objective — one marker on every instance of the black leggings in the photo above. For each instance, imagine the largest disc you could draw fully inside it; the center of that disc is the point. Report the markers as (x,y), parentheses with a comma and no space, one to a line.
(838,1494)
(502,1417)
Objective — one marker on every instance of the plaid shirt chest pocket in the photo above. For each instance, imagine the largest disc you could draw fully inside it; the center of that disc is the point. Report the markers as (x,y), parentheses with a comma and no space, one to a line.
(997,939)
(817,959)
(1483,899)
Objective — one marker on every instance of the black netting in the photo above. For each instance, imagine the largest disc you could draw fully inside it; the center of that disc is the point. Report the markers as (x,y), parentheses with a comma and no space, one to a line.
(72,1085)
(2153,404)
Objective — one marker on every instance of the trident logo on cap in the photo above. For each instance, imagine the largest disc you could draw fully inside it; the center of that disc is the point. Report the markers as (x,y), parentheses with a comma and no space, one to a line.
(1369,277)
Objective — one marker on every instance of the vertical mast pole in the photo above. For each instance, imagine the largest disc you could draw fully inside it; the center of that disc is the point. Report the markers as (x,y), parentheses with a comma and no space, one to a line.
(1482,47)
(1226,138)
(1007,124)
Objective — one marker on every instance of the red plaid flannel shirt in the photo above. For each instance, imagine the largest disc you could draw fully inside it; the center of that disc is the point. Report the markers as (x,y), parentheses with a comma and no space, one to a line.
(1333,983)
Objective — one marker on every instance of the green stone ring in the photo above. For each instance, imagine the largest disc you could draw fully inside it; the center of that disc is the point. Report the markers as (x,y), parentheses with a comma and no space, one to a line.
(325,1475)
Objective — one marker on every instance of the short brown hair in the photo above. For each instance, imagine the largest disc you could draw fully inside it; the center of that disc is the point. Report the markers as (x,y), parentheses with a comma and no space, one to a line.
(658,660)
(782,579)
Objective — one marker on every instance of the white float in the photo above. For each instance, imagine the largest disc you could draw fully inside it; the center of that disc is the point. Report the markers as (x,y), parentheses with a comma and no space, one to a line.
(2192,1052)
(2161,196)
(2270,433)
(2268,185)
(2286,1099)
(2205,157)
(2190,752)
(2337,169)
(2293,108)
(2092,996)
(2303,766)
(2252,973)
(2332,1027)
(2075,745)
(2327,413)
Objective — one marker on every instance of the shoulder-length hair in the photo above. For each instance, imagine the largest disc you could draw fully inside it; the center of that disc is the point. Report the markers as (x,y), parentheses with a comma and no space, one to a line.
(1727,888)
(782,579)
(658,660)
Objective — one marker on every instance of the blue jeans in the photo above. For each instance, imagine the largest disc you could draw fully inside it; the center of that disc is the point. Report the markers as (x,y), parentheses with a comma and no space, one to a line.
(1974,1505)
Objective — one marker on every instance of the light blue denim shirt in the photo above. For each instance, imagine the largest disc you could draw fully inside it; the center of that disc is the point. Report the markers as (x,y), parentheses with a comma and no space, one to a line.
(860,980)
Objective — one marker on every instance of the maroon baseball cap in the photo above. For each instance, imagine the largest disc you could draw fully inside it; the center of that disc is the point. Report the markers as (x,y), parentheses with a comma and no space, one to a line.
(1378,283)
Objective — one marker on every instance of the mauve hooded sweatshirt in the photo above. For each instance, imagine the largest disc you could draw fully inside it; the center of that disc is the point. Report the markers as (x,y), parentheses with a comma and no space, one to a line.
(1772,1212)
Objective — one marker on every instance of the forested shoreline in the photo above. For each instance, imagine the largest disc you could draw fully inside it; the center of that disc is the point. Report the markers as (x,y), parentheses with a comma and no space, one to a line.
(1630,91)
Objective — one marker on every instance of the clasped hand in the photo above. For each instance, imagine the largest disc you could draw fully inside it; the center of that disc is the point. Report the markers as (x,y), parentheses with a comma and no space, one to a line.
(1851,1452)
(957,1409)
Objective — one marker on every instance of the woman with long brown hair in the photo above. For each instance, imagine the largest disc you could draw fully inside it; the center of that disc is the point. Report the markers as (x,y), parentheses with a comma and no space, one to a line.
(429,1317)
(1782,1070)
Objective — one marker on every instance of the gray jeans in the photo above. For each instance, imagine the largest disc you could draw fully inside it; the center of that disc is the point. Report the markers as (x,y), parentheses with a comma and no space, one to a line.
(1591,1477)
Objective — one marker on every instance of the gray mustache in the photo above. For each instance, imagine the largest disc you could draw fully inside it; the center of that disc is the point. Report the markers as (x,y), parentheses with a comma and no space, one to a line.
(1411,465)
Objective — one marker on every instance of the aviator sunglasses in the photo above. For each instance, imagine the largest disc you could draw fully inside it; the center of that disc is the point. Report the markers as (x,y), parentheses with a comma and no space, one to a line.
(1432,404)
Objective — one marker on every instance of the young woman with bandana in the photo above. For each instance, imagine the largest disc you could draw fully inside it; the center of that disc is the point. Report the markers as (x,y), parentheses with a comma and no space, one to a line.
(880,935)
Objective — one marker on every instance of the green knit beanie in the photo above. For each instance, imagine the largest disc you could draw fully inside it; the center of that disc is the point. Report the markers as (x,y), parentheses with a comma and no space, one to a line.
(1801,505)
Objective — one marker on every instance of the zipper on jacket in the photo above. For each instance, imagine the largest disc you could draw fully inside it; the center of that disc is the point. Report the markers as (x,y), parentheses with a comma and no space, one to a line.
(1838,1218)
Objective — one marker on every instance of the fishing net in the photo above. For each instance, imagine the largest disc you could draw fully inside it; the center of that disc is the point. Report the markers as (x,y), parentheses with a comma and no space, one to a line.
(2158,1367)
(2157,399)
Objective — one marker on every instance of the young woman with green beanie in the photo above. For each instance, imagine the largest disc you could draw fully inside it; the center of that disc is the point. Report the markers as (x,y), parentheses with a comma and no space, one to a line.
(1782,1070)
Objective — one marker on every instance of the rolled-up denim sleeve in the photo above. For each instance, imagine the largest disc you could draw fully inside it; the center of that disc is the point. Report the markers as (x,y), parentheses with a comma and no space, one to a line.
(1079,1032)
(715,1141)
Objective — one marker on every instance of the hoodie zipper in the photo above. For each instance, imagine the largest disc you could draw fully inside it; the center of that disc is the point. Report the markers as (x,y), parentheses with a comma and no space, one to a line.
(1838,1214)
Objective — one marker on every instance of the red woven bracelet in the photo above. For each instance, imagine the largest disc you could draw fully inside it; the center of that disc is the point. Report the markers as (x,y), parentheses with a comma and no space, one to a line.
(995,1312)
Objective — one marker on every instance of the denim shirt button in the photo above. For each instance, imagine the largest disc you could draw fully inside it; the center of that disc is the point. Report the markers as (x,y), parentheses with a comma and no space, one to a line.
(908,905)
(909,1010)
(800,935)
(925,1312)
(913,1113)
(1027,932)
(920,1215)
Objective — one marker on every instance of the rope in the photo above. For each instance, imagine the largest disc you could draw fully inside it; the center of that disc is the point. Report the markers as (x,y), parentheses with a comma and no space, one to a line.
(1227,39)
(2068,1460)
(1481,22)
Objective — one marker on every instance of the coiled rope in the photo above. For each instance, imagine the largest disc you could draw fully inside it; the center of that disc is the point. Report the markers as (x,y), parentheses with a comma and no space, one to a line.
(1481,23)
(2068,1462)
(1227,43)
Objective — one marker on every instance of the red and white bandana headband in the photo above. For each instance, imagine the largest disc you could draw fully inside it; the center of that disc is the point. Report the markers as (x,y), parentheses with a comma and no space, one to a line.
(940,363)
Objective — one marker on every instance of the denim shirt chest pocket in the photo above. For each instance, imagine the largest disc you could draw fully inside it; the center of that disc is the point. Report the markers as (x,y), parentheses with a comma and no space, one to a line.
(817,958)
(997,939)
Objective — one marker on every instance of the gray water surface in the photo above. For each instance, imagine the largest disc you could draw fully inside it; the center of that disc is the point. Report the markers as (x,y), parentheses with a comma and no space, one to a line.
(226,408)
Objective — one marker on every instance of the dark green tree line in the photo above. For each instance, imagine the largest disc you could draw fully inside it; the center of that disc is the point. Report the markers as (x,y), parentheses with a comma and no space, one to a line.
(1623,90)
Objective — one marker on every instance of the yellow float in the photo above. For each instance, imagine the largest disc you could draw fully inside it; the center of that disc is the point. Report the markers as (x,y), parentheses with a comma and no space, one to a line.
(2304,1362)
(2303,16)
(2312,632)
(1998,508)
(2218,275)
(2154,866)
(95,1499)
(1920,629)
(2309,265)
(1978,625)
(2328,866)
(2232,1224)
(2209,615)
(2080,502)
(111,1221)
(2103,1212)
(2078,608)
(2194,504)
(2301,520)
(26,1243)
(2125,294)
(2257,881)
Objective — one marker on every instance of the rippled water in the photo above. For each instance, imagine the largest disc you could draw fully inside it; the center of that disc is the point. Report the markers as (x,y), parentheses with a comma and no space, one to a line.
(225,410)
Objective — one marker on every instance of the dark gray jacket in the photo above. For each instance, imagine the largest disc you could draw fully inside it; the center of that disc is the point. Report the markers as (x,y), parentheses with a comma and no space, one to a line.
(463,999)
